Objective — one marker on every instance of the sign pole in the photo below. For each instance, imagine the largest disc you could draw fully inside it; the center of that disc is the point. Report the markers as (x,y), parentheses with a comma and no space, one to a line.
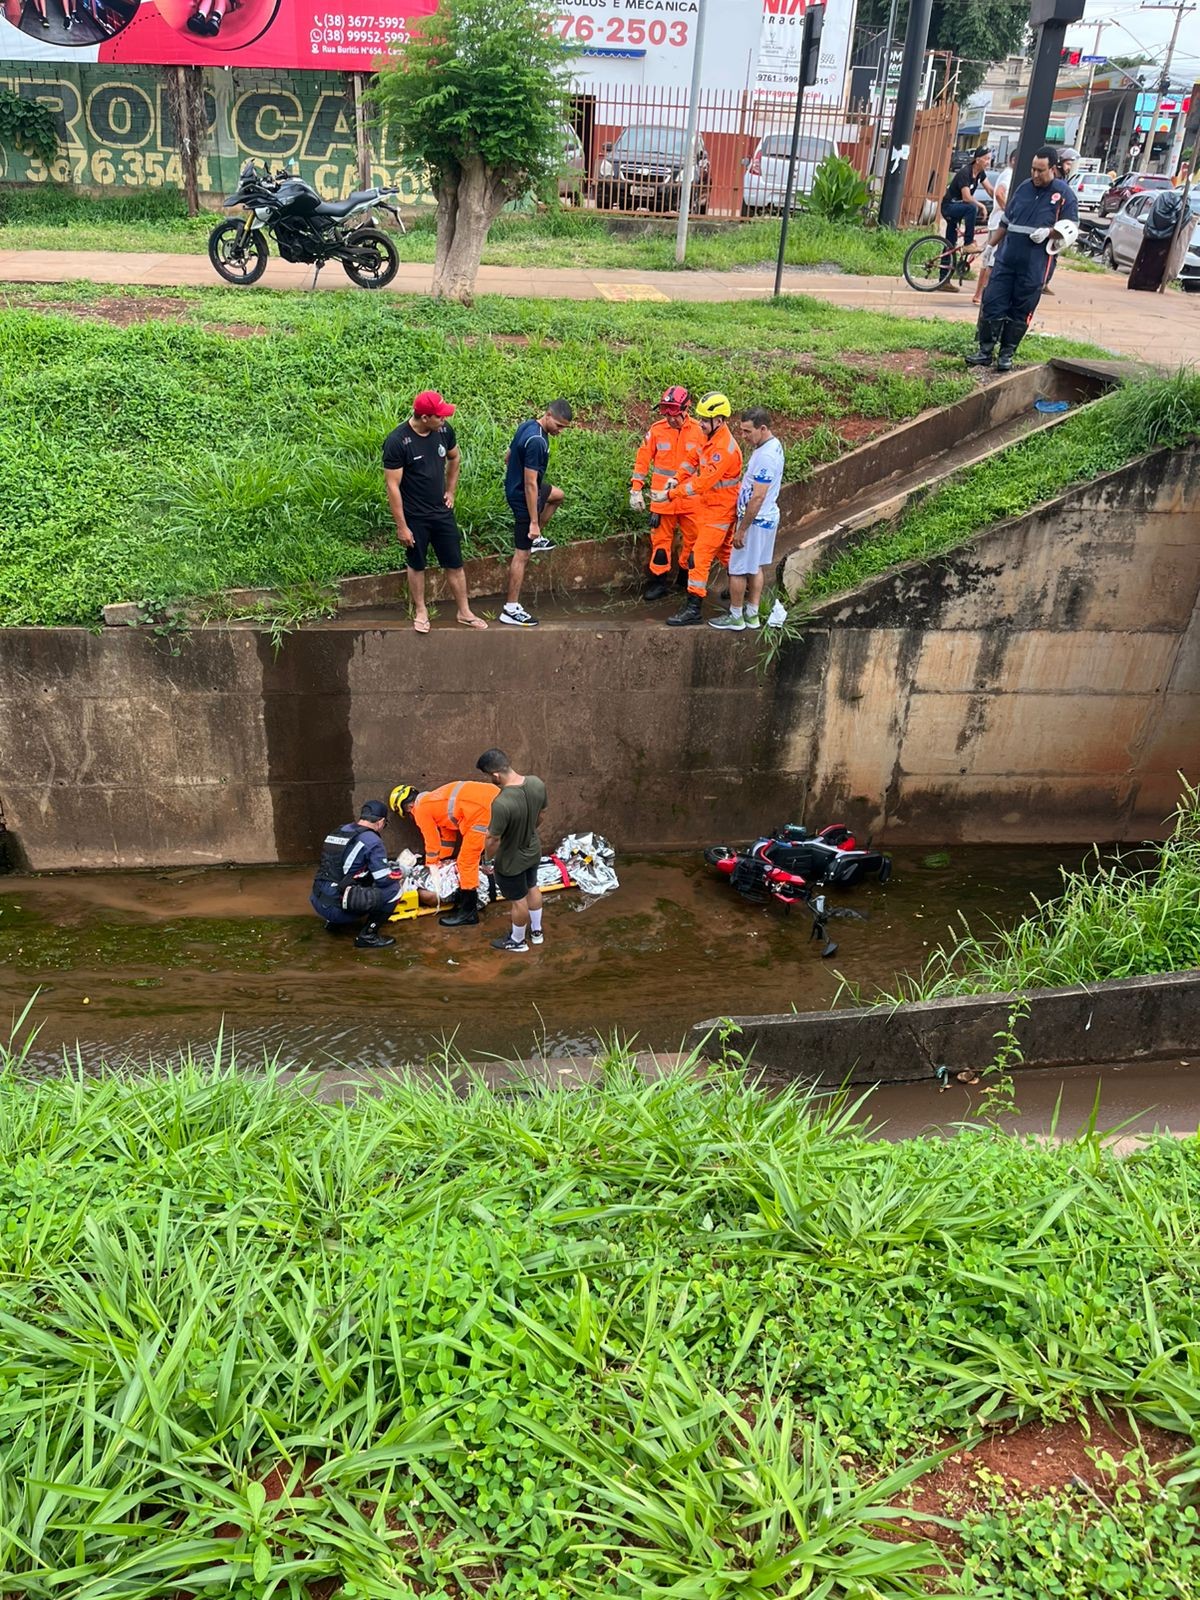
(810,52)
(689,142)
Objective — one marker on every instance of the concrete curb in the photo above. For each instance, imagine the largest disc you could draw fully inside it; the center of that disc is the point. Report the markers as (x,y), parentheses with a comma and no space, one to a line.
(1126,1020)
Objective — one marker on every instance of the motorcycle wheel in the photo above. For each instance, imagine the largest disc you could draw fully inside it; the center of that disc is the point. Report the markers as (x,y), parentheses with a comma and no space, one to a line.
(382,259)
(238,261)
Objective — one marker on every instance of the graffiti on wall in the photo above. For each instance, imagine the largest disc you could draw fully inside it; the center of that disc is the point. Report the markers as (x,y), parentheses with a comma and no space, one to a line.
(115,131)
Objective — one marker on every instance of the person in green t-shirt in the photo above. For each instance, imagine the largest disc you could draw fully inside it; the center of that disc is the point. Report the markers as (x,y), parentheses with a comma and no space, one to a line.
(512,847)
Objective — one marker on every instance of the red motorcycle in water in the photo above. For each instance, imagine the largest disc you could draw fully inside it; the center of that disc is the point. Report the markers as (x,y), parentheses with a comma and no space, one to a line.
(790,867)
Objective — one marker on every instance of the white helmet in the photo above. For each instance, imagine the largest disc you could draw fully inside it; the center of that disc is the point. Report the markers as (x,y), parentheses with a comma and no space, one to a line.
(1064,236)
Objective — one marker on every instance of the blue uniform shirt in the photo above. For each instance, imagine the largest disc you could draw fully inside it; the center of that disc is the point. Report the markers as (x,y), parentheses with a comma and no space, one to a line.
(365,859)
(530,449)
(1031,207)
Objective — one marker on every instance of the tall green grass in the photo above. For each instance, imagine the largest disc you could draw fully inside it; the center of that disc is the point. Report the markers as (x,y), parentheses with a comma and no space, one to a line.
(642,1340)
(1119,919)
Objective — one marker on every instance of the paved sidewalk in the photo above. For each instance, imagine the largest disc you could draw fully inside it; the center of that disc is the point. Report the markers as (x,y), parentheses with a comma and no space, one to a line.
(1164,329)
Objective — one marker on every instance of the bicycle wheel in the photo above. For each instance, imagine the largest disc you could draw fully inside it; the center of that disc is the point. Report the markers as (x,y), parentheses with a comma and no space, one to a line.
(928,262)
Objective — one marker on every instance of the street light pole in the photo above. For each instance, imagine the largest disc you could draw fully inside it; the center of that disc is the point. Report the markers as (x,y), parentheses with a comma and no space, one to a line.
(689,141)
(810,54)
(904,114)
(1165,76)
(1087,99)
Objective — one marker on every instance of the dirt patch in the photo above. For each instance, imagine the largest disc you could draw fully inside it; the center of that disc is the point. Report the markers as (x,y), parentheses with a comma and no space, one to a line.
(1037,1459)
(153,308)
(236,330)
(854,430)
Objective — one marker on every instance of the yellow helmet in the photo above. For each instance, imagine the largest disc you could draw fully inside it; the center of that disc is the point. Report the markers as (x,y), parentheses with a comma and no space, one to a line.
(714,405)
(401,795)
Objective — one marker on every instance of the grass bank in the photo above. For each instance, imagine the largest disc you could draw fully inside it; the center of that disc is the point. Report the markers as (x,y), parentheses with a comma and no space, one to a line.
(59,219)
(162,445)
(627,1341)
(1139,417)
(1121,918)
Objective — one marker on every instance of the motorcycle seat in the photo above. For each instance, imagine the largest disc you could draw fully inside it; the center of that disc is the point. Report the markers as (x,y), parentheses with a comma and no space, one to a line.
(343,208)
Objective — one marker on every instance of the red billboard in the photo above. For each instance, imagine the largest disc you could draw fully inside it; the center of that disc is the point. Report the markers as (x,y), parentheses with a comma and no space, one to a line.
(208,33)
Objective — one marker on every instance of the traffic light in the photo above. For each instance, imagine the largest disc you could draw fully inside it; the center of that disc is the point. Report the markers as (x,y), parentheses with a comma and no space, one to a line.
(1069,58)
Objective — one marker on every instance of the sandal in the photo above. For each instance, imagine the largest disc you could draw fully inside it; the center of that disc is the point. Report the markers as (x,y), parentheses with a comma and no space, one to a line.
(471,622)
(420,624)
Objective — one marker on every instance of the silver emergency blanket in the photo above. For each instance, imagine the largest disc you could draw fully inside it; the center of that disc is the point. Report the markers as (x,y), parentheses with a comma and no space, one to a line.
(587,858)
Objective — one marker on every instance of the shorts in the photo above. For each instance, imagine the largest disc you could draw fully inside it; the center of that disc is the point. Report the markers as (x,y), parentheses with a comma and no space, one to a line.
(520,512)
(440,532)
(518,885)
(758,550)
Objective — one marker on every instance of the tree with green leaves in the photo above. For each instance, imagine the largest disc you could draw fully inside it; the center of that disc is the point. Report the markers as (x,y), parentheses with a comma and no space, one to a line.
(977,31)
(475,96)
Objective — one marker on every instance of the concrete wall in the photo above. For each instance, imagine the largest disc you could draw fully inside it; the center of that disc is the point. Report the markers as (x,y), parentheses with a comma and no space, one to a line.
(1129,1020)
(1042,683)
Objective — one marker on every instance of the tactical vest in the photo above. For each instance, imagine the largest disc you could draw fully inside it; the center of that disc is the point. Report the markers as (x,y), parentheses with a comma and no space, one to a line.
(331,872)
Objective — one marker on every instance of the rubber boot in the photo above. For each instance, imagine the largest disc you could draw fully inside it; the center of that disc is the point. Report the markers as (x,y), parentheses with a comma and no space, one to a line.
(1007,356)
(982,357)
(464,913)
(657,589)
(689,617)
(371,939)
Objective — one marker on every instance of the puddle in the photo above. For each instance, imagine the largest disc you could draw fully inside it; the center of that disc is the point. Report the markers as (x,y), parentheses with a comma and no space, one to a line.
(139,964)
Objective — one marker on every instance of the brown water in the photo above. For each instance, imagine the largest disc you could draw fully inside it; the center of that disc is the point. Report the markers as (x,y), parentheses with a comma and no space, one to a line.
(141,964)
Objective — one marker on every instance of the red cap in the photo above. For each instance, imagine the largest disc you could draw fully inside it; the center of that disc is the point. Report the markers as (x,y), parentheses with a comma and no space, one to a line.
(429,403)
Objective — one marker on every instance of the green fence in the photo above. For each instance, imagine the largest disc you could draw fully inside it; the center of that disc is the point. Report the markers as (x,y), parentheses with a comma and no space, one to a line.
(115,129)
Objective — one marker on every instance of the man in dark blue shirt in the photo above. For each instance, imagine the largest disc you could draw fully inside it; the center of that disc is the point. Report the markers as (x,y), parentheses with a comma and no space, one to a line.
(354,880)
(1032,218)
(531,499)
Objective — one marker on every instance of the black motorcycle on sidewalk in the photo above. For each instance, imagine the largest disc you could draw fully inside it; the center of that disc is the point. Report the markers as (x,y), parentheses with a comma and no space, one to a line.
(305,228)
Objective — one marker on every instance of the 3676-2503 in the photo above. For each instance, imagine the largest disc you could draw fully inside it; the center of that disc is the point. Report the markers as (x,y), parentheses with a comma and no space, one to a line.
(622,30)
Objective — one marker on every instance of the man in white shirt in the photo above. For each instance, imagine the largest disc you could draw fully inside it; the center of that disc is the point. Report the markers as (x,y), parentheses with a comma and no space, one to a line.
(988,259)
(756,525)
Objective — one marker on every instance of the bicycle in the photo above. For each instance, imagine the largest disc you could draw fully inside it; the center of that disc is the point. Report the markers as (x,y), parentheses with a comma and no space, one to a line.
(929,262)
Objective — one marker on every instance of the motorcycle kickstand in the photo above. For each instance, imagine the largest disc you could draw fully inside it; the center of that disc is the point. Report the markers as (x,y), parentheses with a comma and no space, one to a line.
(316,269)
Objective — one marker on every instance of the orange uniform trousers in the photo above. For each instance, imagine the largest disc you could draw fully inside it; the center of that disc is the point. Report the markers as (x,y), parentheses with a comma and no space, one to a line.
(707,495)
(662,454)
(456,815)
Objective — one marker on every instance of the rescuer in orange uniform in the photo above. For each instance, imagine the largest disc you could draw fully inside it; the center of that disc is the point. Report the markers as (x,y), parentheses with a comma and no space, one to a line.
(673,439)
(457,814)
(706,491)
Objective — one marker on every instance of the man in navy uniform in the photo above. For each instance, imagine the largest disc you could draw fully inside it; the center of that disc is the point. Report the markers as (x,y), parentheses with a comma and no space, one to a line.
(355,880)
(1041,211)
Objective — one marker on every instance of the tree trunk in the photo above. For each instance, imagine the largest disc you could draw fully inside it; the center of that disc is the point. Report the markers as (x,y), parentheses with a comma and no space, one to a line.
(185,96)
(479,197)
(447,218)
(362,137)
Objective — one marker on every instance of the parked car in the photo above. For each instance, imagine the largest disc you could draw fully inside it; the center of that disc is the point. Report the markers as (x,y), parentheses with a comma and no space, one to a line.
(1125,238)
(1126,186)
(764,187)
(643,168)
(572,180)
(1090,188)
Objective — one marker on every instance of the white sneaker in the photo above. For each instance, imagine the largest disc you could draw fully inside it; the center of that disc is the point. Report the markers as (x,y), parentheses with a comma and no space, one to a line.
(752,620)
(540,543)
(518,617)
(536,938)
(728,623)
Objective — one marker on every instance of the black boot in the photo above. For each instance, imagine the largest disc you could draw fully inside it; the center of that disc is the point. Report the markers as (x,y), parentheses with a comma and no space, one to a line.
(464,913)
(681,578)
(981,357)
(689,617)
(1007,356)
(371,939)
(657,589)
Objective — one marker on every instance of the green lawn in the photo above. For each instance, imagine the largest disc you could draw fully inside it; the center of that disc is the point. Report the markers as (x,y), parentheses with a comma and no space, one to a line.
(59,219)
(644,1342)
(233,438)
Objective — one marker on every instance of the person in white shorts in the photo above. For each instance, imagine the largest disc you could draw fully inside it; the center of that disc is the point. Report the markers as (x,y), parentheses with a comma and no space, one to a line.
(988,258)
(756,525)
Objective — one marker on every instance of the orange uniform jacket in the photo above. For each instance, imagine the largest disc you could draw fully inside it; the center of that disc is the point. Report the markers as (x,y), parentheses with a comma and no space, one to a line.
(453,812)
(664,450)
(709,483)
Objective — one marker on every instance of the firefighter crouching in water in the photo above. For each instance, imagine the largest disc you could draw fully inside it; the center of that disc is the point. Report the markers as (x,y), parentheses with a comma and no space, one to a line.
(454,816)
(668,443)
(706,491)
(354,883)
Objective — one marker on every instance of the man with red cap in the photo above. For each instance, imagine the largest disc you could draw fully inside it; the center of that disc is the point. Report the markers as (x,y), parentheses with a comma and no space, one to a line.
(420,467)
(668,443)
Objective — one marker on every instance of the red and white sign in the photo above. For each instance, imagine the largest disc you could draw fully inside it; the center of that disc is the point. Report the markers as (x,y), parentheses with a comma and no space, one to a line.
(779,48)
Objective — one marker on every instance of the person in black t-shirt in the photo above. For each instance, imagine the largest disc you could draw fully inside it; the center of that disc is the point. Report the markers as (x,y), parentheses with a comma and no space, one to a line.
(963,201)
(420,467)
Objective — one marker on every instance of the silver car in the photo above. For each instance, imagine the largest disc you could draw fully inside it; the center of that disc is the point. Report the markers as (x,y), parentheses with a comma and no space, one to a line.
(764,186)
(1090,187)
(1125,238)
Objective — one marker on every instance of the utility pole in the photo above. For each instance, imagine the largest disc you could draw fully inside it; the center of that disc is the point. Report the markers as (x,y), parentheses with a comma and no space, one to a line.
(1165,78)
(810,55)
(1087,99)
(885,74)
(1050,18)
(689,141)
(916,36)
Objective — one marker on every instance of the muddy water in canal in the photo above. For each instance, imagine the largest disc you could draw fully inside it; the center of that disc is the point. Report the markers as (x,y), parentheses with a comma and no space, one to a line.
(139,964)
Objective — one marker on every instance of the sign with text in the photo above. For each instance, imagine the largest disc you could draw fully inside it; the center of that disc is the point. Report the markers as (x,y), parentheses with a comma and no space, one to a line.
(779,48)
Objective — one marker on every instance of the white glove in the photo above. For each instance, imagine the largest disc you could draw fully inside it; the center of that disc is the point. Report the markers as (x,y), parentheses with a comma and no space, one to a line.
(637,500)
(1040,235)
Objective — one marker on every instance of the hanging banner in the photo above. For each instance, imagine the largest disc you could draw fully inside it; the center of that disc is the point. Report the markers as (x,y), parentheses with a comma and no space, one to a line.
(779,49)
(207,33)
